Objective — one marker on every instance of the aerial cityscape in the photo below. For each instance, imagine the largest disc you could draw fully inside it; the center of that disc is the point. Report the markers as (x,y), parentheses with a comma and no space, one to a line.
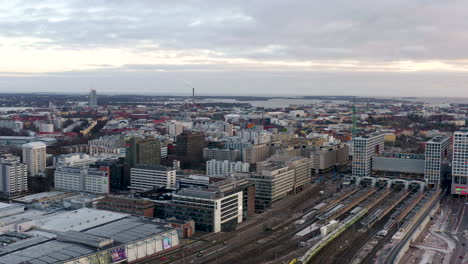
(233,132)
(196,179)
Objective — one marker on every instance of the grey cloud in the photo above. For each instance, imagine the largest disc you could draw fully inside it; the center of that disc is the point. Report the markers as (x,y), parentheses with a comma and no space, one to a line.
(306,30)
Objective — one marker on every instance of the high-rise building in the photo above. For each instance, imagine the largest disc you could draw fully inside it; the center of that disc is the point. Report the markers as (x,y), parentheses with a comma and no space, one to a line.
(189,148)
(34,156)
(13,176)
(147,177)
(92,98)
(146,151)
(460,163)
(436,152)
(364,148)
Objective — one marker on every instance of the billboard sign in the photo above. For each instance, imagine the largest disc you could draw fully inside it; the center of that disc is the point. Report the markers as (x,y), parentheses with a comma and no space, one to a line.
(118,255)
(166,243)
(461,190)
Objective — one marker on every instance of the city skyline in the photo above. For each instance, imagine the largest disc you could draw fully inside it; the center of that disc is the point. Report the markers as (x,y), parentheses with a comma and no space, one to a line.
(303,47)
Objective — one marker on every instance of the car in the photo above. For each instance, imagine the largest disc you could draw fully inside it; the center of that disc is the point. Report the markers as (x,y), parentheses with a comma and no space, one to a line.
(224,242)
(461,257)
(200,255)
(162,258)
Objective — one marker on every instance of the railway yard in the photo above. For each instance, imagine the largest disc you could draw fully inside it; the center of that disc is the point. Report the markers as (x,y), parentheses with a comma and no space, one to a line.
(345,222)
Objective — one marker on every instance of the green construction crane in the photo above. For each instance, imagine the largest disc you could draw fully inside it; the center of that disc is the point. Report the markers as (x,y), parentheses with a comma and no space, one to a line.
(354,129)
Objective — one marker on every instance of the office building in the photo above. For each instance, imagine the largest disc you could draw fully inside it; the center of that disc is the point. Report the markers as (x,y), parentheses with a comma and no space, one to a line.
(92,98)
(11,124)
(272,182)
(82,179)
(189,148)
(235,184)
(193,181)
(255,153)
(106,145)
(145,151)
(459,163)
(73,160)
(225,168)
(436,152)
(301,166)
(212,210)
(13,176)
(119,174)
(364,148)
(325,158)
(34,156)
(147,177)
(221,154)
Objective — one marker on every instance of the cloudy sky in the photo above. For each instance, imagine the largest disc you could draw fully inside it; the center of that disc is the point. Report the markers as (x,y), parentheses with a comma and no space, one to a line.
(270,47)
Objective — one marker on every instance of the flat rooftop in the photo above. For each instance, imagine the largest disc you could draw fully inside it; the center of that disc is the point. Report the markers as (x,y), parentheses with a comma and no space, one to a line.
(438,139)
(78,220)
(60,236)
(38,196)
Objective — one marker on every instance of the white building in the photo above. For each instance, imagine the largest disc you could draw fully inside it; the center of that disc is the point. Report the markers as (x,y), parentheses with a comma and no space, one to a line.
(11,124)
(82,179)
(146,177)
(225,167)
(436,152)
(256,136)
(459,163)
(106,145)
(211,210)
(73,160)
(163,152)
(175,128)
(364,148)
(34,156)
(13,176)
(45,127)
